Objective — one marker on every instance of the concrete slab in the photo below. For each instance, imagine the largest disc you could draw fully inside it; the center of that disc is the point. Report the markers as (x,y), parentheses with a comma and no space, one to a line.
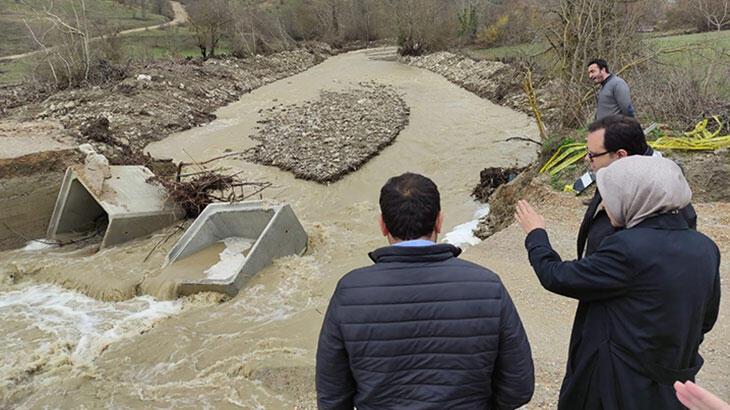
(274,230)
(23,138)
(122,204)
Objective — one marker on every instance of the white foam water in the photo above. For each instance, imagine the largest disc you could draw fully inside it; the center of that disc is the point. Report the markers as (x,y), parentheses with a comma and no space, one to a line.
(39,245)
(463,234)
(231,259)
(87,325)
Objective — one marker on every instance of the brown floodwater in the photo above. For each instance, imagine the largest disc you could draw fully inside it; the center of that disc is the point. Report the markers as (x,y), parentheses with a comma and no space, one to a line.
(109,345)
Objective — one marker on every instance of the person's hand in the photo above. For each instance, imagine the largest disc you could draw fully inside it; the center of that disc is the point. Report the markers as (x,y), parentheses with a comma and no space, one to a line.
(697,398)
(528,219)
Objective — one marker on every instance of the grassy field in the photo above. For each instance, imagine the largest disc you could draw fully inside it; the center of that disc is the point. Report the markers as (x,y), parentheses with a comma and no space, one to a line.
(12,72)
(177,41)
(715,41)
(104,16)
(169,42)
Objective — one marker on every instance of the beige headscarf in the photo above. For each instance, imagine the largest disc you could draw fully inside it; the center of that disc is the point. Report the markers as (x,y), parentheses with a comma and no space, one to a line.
(637,187)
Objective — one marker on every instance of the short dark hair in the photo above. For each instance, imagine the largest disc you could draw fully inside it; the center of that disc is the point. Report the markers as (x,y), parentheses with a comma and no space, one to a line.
(601,63)
(621,132)
(410,204)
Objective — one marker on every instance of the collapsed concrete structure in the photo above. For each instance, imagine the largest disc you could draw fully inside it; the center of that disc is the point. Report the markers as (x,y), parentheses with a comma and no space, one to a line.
(118,201)
(272,231)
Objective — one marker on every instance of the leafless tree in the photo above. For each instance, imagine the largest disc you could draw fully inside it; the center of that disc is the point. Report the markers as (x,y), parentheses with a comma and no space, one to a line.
(423,25)
(69,58)
(256,30)
(581,30)
(209,19)
(715,12)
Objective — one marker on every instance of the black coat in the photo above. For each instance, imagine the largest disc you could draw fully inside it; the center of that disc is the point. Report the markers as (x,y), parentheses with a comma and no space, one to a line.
(421,329)
(649,294)
(596,225)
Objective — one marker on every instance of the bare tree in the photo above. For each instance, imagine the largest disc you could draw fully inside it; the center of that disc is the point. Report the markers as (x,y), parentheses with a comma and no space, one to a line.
(210,19)
(423,25)
(581,30)
(255,30)
(69,58)
(715,12)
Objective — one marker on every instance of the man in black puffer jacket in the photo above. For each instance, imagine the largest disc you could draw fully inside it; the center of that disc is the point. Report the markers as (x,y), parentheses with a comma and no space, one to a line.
(421,329)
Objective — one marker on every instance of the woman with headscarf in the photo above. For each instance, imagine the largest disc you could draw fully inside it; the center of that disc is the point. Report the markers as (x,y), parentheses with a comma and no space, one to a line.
(650,292)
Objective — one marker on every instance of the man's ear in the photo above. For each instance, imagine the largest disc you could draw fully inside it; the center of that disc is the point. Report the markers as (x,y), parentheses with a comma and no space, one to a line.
(383,229)
(622,153)
(439,223)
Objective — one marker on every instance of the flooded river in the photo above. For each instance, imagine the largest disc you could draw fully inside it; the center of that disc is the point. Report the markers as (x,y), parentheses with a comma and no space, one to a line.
(120,350)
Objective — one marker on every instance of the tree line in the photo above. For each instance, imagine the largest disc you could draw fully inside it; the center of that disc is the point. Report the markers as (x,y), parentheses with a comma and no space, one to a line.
(418,26)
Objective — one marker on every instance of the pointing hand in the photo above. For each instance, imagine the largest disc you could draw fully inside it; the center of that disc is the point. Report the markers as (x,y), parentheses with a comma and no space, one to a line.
(527,217)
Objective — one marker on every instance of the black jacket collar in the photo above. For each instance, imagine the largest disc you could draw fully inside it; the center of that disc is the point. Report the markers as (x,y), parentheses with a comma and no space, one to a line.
(606,80)
(671,221)
(433,253)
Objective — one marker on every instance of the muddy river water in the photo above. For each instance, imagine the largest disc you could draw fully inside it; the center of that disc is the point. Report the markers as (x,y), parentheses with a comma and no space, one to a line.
(110,348)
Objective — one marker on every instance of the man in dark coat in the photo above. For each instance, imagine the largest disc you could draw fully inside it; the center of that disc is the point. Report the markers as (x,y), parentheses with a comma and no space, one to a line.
(421,329)
(649,293)
(609,140)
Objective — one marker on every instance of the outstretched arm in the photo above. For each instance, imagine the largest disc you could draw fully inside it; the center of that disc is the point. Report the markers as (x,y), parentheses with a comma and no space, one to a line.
(603,274)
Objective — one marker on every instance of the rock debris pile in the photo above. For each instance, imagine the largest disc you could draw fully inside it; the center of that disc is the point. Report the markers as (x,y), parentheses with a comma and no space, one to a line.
(159,98)
(325,139)
(498,82)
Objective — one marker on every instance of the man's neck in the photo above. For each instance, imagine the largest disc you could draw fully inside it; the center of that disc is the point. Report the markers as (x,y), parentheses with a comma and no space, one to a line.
(422,240)
(605,80)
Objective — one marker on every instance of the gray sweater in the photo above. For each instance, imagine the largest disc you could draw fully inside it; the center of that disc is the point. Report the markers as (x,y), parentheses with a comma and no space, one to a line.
(614,98)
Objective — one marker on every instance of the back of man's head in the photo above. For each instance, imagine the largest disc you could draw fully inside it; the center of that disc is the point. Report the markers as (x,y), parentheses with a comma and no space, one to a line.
(621,132)
(601,63)
(410,204)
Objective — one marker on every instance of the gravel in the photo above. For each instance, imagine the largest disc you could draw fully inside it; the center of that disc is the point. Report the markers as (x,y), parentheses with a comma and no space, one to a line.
(325,139)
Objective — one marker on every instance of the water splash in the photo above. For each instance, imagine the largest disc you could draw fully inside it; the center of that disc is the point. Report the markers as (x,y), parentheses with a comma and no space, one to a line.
(463,234)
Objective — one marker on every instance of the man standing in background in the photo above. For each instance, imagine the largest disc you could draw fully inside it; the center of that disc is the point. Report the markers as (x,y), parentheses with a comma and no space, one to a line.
(614,96)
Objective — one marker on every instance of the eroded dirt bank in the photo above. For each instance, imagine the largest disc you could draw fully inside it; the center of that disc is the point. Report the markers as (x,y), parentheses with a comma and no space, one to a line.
(145,104)
(154,100)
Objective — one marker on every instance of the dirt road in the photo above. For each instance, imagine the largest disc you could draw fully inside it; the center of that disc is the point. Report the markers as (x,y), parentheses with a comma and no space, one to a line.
(181,16)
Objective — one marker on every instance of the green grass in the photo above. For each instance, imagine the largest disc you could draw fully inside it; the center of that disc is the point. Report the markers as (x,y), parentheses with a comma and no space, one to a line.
(702,44)
(12,72)
(104,16)
(506,52)
(715,39)
(177,41)
(169,42)
(700,48)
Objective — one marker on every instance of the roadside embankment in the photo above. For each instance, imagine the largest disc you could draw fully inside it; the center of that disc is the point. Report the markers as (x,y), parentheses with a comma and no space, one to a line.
(498,82)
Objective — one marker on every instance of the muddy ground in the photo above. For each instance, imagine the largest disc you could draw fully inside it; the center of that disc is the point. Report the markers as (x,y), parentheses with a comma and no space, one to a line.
(154,100)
